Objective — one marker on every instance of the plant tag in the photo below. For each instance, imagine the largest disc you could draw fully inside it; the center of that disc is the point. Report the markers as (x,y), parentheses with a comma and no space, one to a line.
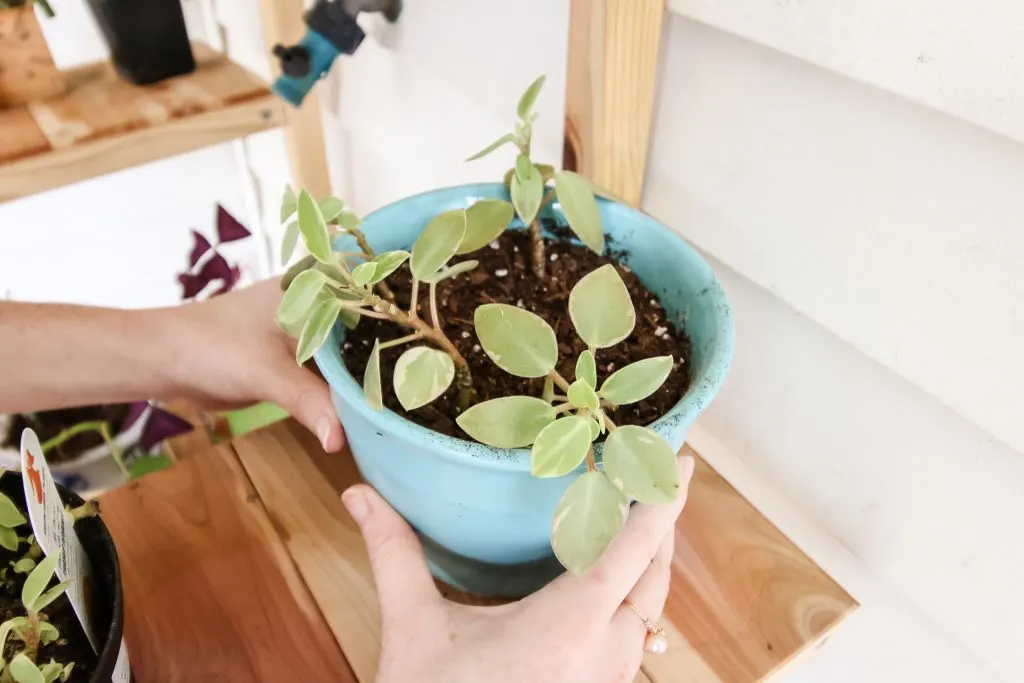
(54,528)
(122,671)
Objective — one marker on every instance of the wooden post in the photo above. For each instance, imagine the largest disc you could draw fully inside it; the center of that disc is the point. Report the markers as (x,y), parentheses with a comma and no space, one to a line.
(612,71)
(27,71)
(304,133)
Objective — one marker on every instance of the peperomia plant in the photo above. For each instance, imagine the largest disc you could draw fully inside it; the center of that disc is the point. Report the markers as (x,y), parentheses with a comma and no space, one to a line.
(32,629)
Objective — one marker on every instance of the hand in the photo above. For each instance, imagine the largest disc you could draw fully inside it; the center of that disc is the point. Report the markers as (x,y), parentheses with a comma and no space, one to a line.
(575,629)
(228,352)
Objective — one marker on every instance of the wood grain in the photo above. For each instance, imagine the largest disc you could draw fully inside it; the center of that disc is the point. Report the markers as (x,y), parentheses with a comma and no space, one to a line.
(744,599)
(27,71)
(211,593)
(103,123)
(612,71)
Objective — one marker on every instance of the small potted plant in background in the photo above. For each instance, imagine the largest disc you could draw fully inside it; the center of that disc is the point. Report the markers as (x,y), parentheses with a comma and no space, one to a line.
(513,363)
(27,71)
(148,41)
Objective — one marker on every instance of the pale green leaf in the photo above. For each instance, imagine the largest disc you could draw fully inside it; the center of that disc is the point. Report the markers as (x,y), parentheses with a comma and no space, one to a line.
(589,515)
(387,263)
(586,368)
(452,270)
(636,381)
(438,242)
(37,581)
(527,195)
(8,538)
(49,596)
(363,273)
(560,447)
(548,392)
(291,239)
(24,565)
(503,140)
(331,208)
(485,221)
(10,516)
(547,172)
(580,208)
(641,464)
(294,328)
(316,329)
(601,309)
(529,97)
(313,228)
(287,203)
(510,422)
(50,671)
(582,395)
(518,341)
(24,671)
(305,263)
(524,168)
(595,428)
(301,296)
(349,318)
(371,379)
(349,220)
(15,624)
(421,375)
(65,675)
(48,633)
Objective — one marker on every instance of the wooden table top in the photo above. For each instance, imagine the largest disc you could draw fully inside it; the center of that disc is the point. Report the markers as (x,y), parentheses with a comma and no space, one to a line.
(241,564)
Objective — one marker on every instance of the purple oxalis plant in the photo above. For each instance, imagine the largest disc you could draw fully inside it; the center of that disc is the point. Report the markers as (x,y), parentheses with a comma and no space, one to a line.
(206,265)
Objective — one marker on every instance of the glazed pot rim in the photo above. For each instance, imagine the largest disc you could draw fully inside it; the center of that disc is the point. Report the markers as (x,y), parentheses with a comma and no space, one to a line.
(702,387)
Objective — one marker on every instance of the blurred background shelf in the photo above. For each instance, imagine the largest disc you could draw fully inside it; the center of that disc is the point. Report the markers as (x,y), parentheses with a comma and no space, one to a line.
(104,124)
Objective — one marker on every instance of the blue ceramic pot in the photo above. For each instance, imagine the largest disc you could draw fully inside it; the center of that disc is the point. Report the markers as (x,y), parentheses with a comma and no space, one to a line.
(484,521)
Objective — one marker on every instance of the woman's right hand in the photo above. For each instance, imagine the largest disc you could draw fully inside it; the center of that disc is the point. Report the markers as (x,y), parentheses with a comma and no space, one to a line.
(575,630)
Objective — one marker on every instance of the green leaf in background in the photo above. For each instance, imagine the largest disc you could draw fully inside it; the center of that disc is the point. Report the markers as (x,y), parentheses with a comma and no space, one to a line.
(527,194)
(636,381)
(586,368)
(10,516)
(438,242)
(421,375)
(316,329)
(485,220)
(510,422)
(8,538)
(49,596)
(65,675)
(48,633)
(349,318)
(547,172)
(51,671)
(577,200)
(331,208)
(24,671)
(291,239)
(518,341)
(641,464)
(529,97)
(503,140)
(560,447)
(583,396)
(287,203)
(387,263)
(313,229)
(452,270)
(37,581)
(300,297)
(349,220)
(591,513)
(24,565)
(371,379)
(363,273)
(601,309)
(142,466)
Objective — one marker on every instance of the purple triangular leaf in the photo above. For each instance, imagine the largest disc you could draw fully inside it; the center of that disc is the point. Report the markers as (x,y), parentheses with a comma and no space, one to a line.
(228,227)
(201,246)
(135,411)
(229,284)
(191,285)
(160,426)
(216,268)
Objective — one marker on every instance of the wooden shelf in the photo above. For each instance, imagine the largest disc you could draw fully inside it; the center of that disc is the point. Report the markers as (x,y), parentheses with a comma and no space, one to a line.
(104,123)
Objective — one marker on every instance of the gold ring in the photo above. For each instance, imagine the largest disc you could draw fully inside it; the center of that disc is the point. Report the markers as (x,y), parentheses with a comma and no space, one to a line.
(656,643)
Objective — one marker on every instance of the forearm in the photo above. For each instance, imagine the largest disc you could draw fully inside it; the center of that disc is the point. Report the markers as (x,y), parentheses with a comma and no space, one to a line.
(58,355)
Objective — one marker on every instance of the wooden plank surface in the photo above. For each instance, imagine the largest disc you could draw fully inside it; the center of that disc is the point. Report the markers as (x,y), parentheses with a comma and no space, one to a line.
(612,72)
(211,593)
(104,123)
(744,599)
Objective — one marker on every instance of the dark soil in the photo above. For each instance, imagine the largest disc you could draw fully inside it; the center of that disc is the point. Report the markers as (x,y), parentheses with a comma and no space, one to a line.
(504,276)
(50,423)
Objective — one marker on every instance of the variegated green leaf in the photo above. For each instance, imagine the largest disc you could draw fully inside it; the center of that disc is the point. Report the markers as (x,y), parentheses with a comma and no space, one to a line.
(288,203)
(580,208)
(510,422)
(485,221)
(601,309)
(452,270)
(524,168)
(641,464)
(349,318)
(386,264)
(371,379)
(547,172)
(438,243)
(586,368)
(560,447)
(316,329)
(363,273)
(301,296)
(588,517)
(582,395)
(636,381)
(291,239)
(518,341)
(529,97)
(527,194)
(503,140)
(331,208)
(37,581)
(10,516)
(313,228)
(348,220)
(421,375)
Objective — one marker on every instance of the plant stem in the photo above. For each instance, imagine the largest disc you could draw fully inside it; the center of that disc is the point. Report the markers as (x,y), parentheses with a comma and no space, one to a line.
(115,450)
(414,298)
(71,432)
(369,254)
(31,636)
(559,381)
(537,262)
(564,408)
(609,425)
(591,461)
(371,313)
(434,317)
(401,340)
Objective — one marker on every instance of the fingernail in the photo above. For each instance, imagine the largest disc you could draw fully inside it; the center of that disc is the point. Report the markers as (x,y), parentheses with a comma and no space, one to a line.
(355,503)
(323,430)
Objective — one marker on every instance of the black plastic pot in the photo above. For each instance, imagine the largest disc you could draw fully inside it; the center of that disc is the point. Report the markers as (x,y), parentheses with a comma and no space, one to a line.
(107,603)
(148,40)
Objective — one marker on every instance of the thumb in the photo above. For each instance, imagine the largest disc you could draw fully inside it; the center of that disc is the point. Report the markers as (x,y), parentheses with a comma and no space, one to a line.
(404,584)
(307,398)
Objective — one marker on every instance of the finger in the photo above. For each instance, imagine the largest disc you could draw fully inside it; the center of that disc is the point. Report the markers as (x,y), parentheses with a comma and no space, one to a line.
(404,584)
(307,398)
(613,576)
(648,595)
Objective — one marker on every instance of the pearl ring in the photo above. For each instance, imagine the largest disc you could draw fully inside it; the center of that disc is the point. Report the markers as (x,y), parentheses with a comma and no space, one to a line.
(655,642)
